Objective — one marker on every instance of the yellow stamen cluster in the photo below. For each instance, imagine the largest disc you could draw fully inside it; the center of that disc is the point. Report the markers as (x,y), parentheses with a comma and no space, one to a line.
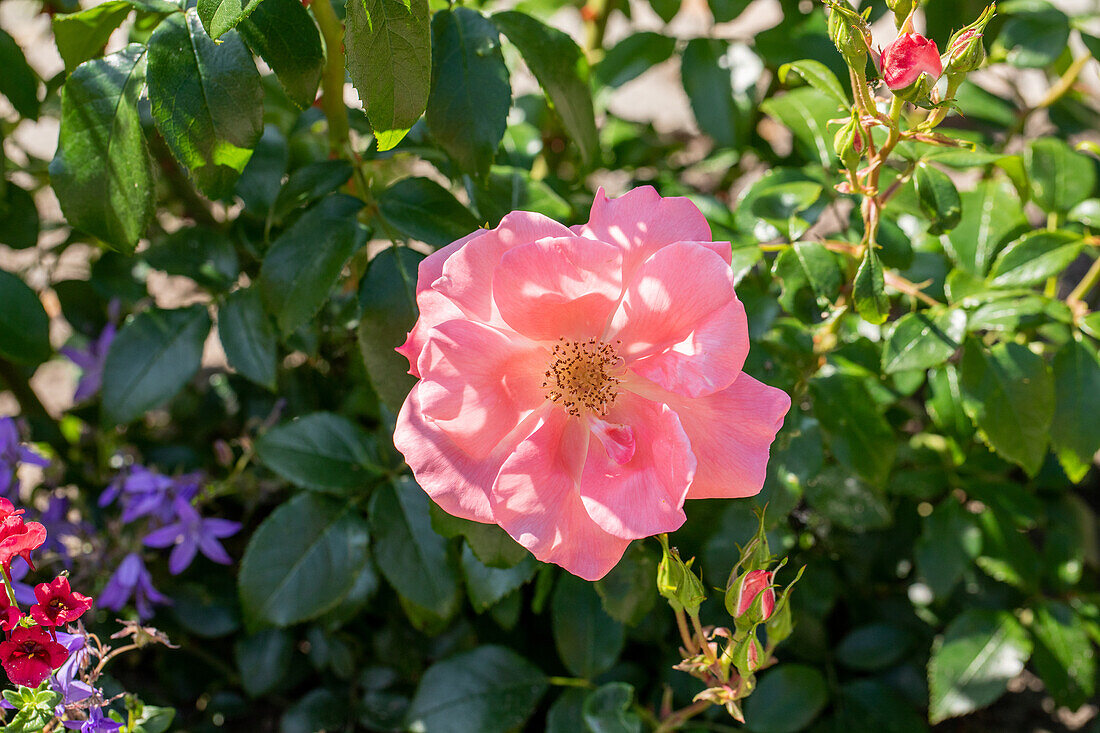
(580,376)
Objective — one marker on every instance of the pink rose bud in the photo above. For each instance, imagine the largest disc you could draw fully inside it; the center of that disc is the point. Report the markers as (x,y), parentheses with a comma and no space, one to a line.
(754,583)
(904,60)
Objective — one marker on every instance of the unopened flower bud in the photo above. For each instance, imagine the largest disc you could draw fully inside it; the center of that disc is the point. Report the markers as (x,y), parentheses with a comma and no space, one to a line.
(848,144)
(850,33)
(677,583)
(747,655)
(901,9)
(780,624)
(751,598)
(910,66)
(965,50)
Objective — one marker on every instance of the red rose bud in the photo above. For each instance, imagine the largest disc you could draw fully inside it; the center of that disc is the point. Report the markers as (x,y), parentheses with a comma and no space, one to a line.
(965,51)
(30,655)
(905,60)
(57,604)
(751,599)
(17,538)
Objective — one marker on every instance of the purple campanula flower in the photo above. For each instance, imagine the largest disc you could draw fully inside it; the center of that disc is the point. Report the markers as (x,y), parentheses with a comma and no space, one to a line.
(24,593)
(12,453)
(131,578)
(64,681)
(91,359)
(146,492)
(97,722)
(56,521)
(190,534)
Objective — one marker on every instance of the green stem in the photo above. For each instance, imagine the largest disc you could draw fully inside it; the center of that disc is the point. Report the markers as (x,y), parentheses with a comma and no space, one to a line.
(8,587)
(681,716)
(571,682)
(595,25)
(685,635)
(332,78)
(1088,282)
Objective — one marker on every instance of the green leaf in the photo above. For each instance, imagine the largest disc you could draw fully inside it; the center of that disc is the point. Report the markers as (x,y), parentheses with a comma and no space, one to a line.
(153,356)
(859,435)
(991,216)
(805,112)
(389,50)
(513,189)
(566,714)
(1008,392)
(413,558)
(806,263)
(18,82)
(1060,178)
(102,173)
(206,100)
(632,57)
(24,325)
(628,592)
(1075,429)
(1034,257)
(248,337)
(726,10)
(1007,554)
(387,301)
(82,35)
(154,719)
(486,585)
(818,76)
(923,340)
(948,544)
(847,501)
(302,560)
(1033,40)
(666,10)
(220,16)
(873,647)
(309,183)
(421,209)
(980,651)
(869,289)
(609,709)
(284,35)
(562,71)
(710,90)
(786,700)
(321,451)
(588,640)
(206,256)
(490,544)
(263,660)
(304,263)
(938,198)
(1064,656)
(873,705)
(471,95)
(19,223)
(490,689)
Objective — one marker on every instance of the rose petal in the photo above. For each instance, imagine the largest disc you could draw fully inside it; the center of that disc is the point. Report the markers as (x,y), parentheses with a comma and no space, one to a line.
(535,499)
(559,287)
(479,383)
(645,495)
(680,322)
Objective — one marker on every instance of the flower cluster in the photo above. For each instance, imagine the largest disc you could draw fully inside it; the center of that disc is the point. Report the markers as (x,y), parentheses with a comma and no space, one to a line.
(161,507)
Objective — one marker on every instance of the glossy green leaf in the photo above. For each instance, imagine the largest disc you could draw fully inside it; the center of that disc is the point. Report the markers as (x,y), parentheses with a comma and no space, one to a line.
(1034,257)
(847,501)
(588,640)
(947,546)
(972,662)
(153,356)
(486,585)
(1064,656)
(490,544)
(513,189)
(18,82)
(991,217)
(83,34)
(413,558)
(248,337)
(805,112)
(24,325)
(471,94)
(666,10)
(787,699)
(321,451)
(1007,554)
(220,16)
(302,560)
(19,223)
(284,35)
(938,198)
(387,298)
(609,709)
(628,592)
(807,263)
(305,261)
(309,183)
(923,340)
(206,256)
(206,100)
(490,689)
(726,10)
(869,289)
(818,76)
(263,660)
(1008,392)
(708,86)
(562,71)
(859,435)
(102,173)
(420,208)
(1060,178)
(1075,429)
(1033,39)
(389,59)
(633,56)
(874,646)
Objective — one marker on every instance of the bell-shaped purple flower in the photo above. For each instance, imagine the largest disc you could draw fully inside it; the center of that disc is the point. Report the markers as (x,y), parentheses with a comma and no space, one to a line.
(190,534)
(131,579)
(91,359)
(12,453)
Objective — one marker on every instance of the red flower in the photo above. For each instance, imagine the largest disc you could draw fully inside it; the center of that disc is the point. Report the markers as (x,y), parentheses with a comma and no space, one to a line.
(17,538)
(753,584)
(57,604)
(904,60)
(30,655)
(9,614)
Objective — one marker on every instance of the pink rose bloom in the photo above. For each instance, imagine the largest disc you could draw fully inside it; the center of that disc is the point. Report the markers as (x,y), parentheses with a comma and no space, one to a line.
(904,60)
(577,385)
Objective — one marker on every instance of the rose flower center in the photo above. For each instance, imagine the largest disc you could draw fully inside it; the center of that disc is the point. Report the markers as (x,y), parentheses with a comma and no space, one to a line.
(580,377)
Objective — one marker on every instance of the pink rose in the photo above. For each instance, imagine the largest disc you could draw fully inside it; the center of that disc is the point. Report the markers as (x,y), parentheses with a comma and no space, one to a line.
(753,583)
(904,60)
(577,385)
